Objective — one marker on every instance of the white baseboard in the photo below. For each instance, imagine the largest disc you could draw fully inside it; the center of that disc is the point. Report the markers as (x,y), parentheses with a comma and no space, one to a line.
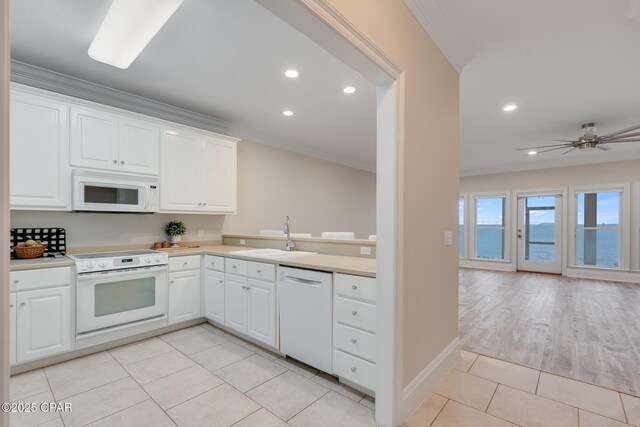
(603,274)
(419,388)
(485,265)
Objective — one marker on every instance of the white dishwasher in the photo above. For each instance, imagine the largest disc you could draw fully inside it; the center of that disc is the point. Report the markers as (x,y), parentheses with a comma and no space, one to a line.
(305,299)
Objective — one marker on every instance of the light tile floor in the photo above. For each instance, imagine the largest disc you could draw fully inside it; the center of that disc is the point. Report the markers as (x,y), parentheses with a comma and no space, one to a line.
(481,391)
(198,376)
(225,381)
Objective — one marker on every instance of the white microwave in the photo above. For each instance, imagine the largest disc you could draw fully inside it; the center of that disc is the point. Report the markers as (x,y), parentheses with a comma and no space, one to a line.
(114,192)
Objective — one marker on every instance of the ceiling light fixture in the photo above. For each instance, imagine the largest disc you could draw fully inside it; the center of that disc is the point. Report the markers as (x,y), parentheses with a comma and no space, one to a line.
(127,29)
(349,89)
(532,153)
(510,107)
(292,74)
(287,113)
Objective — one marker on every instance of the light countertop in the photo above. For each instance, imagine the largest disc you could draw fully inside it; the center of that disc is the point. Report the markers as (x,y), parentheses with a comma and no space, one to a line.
(37,263)
(335,263)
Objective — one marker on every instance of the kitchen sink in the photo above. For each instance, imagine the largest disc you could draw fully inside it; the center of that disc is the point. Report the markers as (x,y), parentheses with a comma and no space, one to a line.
(271,253)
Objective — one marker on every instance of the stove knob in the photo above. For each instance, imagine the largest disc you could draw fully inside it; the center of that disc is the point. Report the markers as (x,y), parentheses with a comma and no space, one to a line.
(91,265)
(157,259)
(102,264)
(147,260)
(83,267)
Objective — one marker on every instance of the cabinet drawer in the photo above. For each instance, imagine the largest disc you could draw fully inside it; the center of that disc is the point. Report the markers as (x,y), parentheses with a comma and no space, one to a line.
(235,266)
(42,278)
(355,287)
(213,262)
(178,263)
(355,313)
(355,341)
(354,369)
(261,271)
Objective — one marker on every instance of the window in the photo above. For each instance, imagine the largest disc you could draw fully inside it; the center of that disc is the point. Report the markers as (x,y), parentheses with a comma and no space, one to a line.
(461,227)
(599,215)
(490,227)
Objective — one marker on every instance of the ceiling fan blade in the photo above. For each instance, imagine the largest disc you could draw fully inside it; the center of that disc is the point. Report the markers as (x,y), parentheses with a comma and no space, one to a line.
(617,141)
(629,135)
(553,149)
(568,151)
(603,147)
(621,131)
(543,146)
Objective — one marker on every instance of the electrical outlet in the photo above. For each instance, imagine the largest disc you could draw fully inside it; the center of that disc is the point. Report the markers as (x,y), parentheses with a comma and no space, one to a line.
(243,242)
(365,250)
(200,232)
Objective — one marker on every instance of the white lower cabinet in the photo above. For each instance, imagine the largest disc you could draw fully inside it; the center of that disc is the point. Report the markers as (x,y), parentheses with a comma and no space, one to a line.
(250,304)
(43,323)
(214,295)
(354,329)
(184,288)
(235,302)
(12,328)
(262,311)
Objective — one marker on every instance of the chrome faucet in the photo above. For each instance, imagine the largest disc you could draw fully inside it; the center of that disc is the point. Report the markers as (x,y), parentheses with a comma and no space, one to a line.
(289,245)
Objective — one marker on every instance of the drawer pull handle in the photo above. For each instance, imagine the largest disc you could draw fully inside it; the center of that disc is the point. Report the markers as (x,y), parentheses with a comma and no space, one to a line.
(259,271)
(22,304)
(353,369)
(16,281)
(355,313)
(234,267)
(115,162)
(122,162)
(11,305)
(221,282)
(354,287)
(353,340)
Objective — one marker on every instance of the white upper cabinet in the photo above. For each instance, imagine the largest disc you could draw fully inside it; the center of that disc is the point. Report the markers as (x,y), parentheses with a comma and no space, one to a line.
(138,147)
(198,173)
(39,138)
(103,140)
(94,139)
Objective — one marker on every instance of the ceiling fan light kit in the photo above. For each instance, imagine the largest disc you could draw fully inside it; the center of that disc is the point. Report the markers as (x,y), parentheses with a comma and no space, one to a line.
(589,140)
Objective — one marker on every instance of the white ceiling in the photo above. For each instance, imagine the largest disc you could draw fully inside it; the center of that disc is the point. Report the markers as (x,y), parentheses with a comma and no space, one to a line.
(222,58)
(563,62)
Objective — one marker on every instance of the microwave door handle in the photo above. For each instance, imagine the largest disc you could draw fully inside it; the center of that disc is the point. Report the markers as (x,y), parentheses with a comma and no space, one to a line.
(117,273)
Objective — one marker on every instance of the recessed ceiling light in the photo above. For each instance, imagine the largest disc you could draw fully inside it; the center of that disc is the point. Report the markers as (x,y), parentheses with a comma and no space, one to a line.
(510,107)
(292,74)
(127,29)
(287,113)
(532,153)
(349,89)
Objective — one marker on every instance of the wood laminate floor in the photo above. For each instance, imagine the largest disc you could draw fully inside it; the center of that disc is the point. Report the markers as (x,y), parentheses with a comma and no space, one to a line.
(583,329)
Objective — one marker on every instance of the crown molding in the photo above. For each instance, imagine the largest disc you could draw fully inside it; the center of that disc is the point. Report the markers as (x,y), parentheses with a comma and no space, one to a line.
(442,30)
(42,78)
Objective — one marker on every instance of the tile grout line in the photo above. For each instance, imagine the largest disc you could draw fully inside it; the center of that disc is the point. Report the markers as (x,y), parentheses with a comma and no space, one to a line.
(495,390)
(624,409)
(538,382)
(439,412)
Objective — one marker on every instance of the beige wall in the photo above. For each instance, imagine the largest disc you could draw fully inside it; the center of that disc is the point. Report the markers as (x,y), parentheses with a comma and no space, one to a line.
(272,183)
(317,195)
(430,173)
(601,173)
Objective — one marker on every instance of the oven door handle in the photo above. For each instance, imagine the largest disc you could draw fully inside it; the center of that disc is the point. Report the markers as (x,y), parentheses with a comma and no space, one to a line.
(128,271)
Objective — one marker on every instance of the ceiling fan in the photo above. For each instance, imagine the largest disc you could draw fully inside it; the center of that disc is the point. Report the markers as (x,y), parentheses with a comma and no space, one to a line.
(590,140)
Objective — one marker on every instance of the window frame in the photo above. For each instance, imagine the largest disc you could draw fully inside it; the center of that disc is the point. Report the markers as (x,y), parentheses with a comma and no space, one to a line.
(465,226)
(636,232)
(506,221)
(624,227)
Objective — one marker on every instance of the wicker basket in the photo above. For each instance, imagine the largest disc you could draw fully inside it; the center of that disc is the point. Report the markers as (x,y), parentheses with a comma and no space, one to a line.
(28,252)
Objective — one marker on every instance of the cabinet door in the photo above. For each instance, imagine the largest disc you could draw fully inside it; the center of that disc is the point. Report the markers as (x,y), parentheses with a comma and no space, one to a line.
(218,182)
(139,146)
(262,311)
(184,296)
(12,328)
(94,139)
(43,323)
(214,295)
(179,172)
(39,135)
(235,302)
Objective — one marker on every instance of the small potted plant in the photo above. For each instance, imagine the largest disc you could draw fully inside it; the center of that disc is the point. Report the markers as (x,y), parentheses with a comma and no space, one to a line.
(175,229)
